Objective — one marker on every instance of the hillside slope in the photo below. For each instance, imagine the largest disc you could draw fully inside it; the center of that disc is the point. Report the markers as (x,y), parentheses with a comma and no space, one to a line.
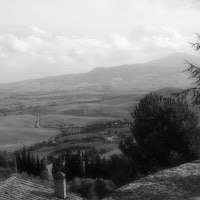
(178,183)
(165,72)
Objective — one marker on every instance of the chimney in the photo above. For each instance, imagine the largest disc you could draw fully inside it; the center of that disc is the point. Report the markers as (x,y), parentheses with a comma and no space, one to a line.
(60,185)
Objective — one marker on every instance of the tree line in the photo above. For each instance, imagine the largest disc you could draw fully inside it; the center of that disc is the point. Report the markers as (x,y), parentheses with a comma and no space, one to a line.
(31,165)
(80,165)
(7,165)
(164,133)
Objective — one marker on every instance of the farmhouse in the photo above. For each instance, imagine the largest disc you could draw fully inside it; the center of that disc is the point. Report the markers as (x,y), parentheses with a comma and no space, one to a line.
(15,188)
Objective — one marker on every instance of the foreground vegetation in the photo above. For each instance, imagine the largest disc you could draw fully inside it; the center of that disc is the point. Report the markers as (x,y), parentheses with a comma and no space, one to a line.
(164,131)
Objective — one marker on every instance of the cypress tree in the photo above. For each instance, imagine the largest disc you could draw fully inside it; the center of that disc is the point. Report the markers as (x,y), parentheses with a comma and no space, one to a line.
(80,171)
(97,166)
(86,165)
(24,159)
(33,165)
(38,166)
(43,165)
(67,165)
(28,165)
(19,162)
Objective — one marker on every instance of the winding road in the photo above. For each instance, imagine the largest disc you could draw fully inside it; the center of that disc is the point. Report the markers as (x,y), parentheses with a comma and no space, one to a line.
(37,123)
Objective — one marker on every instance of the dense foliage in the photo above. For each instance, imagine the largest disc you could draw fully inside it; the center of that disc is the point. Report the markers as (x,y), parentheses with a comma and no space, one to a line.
(165,132)
(7,165)
(98,127)
(81,165)
(91,188)
(30,164)
(195,74)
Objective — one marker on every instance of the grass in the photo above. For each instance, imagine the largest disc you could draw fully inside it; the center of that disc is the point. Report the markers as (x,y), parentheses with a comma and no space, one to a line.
(76,137)
(14,138)
(58,108)
(77,121)
(18,121)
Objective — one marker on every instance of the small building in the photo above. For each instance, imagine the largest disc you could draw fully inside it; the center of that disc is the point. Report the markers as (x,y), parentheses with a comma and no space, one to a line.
(60,185)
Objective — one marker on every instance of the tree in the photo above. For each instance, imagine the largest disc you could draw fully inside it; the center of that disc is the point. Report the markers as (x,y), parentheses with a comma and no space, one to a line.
(43,165)
(97,166)
(38,166)
(29,164)
(19,162)
(80,164)
(24,159)
(195,74)
(33,165)
(86,164)
(161,127)
(67,166)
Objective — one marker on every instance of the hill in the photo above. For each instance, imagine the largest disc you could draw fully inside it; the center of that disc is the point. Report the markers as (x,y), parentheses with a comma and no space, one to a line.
(179,183)
(137,78)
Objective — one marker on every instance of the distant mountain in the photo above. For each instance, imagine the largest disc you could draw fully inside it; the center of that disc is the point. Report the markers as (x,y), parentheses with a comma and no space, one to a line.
(150,76)
(169,92)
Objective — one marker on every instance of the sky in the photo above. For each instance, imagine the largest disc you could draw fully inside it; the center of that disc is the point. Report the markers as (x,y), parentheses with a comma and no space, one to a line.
(40,38)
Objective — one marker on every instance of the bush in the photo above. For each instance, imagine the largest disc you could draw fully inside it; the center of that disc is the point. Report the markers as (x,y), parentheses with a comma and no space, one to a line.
(5,173)
(91,188)
(84,187)
(119,169)
(44,175)
(103,187)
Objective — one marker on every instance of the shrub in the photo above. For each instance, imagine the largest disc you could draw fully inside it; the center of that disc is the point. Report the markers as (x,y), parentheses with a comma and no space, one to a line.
(44,175)
(84,187)
(5,173)
(103,187)
(91,188)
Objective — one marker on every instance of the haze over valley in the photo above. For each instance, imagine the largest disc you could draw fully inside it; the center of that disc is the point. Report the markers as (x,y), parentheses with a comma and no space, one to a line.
(34,110)
(132,78)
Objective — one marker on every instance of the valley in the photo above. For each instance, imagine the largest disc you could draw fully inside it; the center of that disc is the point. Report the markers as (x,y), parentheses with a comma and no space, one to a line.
(53,114)
(29,119)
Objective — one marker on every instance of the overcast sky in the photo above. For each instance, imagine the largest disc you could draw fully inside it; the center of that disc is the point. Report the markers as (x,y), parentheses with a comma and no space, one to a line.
(41,38)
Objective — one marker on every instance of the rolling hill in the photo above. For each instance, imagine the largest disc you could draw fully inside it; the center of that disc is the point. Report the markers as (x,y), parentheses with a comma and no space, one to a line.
(135,78)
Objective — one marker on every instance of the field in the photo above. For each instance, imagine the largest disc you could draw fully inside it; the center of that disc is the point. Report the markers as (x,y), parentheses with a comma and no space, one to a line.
(15,138)
(75,120)
(30,118)
(58,110)
(18,121)
(19,130)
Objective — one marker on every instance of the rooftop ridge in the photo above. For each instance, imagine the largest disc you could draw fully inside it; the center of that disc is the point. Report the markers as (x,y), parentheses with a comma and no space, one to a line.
(20,189)
(33,184)
(8,180)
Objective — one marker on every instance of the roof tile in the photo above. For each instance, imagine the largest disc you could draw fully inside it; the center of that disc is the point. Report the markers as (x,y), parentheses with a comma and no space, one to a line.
(18,189)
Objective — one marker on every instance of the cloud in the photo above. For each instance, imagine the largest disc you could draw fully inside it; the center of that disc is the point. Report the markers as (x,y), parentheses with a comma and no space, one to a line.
(185,4)
(155,39)
(120,42)
(40,53)
(40,32)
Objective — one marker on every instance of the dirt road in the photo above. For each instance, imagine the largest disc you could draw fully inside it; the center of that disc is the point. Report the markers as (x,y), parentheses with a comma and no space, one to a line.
(37,123)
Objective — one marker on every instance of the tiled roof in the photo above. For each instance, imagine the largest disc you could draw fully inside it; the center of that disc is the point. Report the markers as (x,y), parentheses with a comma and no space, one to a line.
(18,189)
(180,183)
